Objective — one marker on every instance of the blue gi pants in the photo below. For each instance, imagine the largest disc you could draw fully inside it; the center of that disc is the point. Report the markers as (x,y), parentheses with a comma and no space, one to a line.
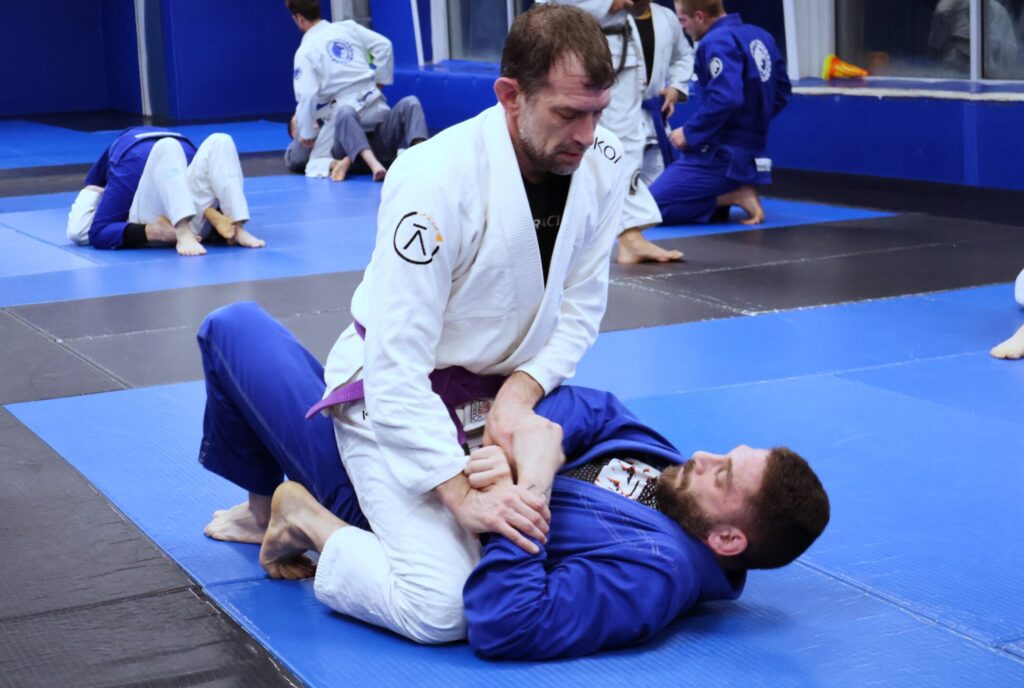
(687,191)
(259,383)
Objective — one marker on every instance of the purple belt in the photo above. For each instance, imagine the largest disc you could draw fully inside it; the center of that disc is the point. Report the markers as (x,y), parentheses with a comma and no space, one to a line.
(455,385)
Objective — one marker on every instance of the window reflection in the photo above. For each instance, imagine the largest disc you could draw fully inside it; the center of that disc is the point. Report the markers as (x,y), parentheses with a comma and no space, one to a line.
(477,29)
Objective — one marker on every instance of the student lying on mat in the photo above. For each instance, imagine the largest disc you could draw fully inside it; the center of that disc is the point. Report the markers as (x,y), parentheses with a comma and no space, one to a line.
(153,187)
(638,535)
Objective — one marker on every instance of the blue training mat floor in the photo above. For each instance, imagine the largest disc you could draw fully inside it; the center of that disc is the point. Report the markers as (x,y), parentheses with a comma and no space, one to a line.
(311,226)
(30,144)
(897,404)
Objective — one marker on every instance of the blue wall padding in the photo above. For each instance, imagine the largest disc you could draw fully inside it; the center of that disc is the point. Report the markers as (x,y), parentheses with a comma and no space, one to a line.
(121,53)
(231,58)
(53,57)
(449,94)
(910,585)
(393,18)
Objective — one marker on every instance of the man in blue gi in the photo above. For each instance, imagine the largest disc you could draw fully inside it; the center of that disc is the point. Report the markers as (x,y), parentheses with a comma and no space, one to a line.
(153,187)
(638,535)
(744,85)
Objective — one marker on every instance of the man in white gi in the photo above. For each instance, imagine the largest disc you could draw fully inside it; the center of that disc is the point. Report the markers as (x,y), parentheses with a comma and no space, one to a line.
(332,75)
(489,279)
(153,187)
(652,59)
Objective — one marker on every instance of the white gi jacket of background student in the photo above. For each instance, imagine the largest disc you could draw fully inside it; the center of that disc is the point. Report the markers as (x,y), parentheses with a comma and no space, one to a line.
(331,69)
(455,280)
(672,68)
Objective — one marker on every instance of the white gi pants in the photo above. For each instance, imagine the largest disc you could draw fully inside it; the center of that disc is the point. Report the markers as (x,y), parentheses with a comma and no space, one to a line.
(170,187)
(408,574)
(1018,288)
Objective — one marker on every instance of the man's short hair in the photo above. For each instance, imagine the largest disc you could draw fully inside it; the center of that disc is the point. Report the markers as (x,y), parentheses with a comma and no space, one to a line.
(548,33)
(790,511)
(309,9)
(712,8)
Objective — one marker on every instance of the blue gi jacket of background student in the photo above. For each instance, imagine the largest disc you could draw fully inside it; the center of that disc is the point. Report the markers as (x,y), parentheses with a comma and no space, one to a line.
(118,170)
(613,572)
(744,85)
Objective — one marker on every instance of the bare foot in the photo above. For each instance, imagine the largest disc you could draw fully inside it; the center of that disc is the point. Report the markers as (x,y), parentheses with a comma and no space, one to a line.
(339,168)
(188,244)
(245,522)
(224,225)
(745,197)
(243,238)
(379,171)
(298,523)
(1012,348)
(635,248)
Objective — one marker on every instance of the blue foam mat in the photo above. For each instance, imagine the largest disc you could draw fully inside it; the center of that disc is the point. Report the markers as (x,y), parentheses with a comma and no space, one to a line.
(30,144)
(916,582)
(311,226)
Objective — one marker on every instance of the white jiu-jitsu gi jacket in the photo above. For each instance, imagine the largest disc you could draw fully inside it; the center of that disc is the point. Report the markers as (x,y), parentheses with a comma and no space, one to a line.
(331,65)
(455,280)
(673,58)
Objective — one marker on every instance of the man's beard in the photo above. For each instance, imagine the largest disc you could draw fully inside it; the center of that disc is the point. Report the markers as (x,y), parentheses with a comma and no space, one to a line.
(544,163)
(679,504)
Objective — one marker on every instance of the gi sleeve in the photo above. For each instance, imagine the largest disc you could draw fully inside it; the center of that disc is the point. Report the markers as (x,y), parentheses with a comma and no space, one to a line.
(306,80)
(409,281)
(723,94)
(80,217)
(380,49)
(518,608)
(680,69)
(111,216)
(97,174)
(584,297)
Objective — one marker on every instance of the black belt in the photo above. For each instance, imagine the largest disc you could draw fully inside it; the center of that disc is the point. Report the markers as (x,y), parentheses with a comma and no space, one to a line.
(626,32)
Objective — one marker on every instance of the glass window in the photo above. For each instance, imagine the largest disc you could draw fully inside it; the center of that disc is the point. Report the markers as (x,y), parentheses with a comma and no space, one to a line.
(477,29)
(909,38)
(1002,39)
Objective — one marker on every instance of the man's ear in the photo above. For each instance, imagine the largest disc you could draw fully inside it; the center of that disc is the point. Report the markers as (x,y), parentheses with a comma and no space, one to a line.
(507,90)
(726,541)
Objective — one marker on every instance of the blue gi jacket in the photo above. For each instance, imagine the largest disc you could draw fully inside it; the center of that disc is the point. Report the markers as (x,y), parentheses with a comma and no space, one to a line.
(614,572)
(744,85)
(118,170)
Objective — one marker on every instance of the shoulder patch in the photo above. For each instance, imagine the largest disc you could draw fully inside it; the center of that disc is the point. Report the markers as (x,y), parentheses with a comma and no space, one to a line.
(298,73)
(417,238)
(762,58)
(715,67)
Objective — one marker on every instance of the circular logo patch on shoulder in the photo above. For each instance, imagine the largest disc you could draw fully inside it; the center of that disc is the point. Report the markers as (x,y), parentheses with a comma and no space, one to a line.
(762,58)
(417,238)
(340,51)
(715,67)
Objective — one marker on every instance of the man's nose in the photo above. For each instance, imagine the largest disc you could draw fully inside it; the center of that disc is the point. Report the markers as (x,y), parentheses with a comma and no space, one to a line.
(703,460)
(583,133)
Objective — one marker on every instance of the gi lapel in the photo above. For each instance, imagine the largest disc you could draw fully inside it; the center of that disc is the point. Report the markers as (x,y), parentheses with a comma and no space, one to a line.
(509,216)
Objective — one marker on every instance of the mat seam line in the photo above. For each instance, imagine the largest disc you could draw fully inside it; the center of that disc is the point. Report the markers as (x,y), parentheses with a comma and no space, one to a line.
(996,647)
(60,343)
(100,604)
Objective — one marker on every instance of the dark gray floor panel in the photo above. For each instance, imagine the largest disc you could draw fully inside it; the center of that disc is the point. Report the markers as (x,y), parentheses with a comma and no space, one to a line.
(44,501)
(641,303)
(162,310)
(34,367)
(172,639)
(160,357)
(850,278)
